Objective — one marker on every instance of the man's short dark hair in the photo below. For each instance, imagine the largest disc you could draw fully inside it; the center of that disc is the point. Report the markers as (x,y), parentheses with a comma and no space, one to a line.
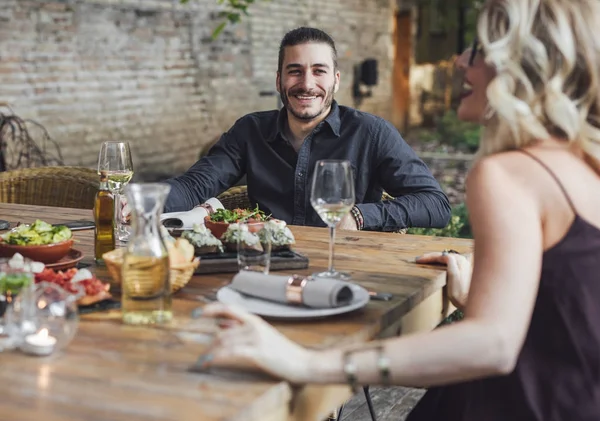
(306,35)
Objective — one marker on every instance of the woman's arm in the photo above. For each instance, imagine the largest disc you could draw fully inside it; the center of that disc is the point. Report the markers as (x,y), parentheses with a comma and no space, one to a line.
(506,223)
(507,263)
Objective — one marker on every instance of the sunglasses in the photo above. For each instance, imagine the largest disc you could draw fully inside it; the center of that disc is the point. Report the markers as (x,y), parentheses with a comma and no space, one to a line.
(475,48)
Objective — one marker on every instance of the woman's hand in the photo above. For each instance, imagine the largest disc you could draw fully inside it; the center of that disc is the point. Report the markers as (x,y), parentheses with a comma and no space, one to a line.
(251,343)
(459,272)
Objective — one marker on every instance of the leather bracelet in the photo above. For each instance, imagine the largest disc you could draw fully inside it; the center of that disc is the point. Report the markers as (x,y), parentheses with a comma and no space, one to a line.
(357,215)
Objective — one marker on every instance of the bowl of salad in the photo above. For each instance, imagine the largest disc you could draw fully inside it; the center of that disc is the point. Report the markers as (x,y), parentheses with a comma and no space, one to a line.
(219,221)
(40,242)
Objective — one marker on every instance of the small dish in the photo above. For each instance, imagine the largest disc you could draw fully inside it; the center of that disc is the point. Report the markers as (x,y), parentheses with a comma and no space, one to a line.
(47,253)
(67,262)
(217,228)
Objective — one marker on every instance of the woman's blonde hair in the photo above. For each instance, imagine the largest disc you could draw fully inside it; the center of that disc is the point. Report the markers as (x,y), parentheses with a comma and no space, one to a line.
(546,54)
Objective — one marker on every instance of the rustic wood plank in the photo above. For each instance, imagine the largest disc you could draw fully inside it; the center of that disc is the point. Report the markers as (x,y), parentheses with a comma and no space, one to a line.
(117,372)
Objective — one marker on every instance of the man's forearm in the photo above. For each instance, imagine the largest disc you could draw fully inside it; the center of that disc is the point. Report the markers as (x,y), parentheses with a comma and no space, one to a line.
(180,198)
(425,209)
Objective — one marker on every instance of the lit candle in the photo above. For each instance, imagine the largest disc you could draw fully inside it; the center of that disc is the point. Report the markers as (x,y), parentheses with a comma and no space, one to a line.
(39,343)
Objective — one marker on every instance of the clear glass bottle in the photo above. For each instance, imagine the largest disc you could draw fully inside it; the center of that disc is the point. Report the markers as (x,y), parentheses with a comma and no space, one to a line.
(146,287)
(104,217)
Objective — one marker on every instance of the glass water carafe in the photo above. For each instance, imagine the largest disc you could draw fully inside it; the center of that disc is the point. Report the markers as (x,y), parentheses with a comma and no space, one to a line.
(146,289)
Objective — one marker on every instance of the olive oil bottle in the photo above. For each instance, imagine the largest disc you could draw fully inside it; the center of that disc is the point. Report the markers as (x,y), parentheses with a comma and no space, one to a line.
(104,217)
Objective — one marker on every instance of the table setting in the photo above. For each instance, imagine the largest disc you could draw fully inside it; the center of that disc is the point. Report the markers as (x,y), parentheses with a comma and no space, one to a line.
(150,286)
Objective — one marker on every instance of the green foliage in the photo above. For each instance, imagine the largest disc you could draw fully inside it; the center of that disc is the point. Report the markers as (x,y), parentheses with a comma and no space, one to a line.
(234,9)
(454,317)
(462,135)
(458,227)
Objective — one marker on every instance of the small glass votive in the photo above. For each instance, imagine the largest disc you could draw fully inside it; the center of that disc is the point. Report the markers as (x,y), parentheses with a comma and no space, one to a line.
(40,343)
(47,317)
(254,247)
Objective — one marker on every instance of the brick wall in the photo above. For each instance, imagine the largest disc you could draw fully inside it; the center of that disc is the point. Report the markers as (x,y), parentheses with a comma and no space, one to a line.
(147,71)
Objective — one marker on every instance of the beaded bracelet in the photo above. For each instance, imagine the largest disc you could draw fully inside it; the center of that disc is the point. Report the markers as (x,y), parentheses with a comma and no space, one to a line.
(351,371)
(357,215)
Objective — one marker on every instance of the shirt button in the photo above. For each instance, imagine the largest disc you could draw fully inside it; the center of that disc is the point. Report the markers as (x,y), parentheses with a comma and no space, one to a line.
(300,174)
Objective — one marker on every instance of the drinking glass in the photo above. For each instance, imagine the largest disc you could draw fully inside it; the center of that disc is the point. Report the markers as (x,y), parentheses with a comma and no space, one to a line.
(332,197)
(115,162)
(254,247)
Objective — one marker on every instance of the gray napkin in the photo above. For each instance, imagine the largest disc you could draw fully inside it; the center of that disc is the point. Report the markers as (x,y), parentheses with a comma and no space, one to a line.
(318,293)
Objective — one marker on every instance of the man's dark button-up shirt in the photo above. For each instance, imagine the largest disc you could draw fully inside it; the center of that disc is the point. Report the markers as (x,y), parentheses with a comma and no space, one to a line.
(279,179)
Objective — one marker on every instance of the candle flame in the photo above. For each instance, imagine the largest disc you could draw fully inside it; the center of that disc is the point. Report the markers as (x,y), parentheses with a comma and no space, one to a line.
(43,333)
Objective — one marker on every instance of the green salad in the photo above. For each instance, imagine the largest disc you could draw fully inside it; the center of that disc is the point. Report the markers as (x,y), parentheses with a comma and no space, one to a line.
(37,234)
(239,215)
(13,282)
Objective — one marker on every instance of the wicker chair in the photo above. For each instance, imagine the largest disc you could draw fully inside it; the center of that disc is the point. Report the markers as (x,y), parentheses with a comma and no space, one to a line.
(70,187)
(237,197)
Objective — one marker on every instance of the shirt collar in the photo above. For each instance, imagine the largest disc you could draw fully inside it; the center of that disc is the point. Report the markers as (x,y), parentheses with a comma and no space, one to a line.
(333,120)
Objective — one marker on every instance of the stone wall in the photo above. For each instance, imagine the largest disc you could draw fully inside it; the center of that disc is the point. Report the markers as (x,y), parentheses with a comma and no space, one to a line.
(147,71)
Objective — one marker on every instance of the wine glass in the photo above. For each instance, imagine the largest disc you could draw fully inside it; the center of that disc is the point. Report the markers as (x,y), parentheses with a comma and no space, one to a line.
(332,197)
(115,163)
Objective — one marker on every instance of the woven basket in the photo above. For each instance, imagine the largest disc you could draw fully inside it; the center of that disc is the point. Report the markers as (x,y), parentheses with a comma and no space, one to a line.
(179,275)
(69,187)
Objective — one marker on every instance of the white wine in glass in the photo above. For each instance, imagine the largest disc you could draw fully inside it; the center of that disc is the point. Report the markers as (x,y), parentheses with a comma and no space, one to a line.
(117,180)
(115,163)
(332,197)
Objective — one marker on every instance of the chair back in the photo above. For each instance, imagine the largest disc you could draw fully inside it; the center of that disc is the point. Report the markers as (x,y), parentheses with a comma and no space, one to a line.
(235,198)
(69,187)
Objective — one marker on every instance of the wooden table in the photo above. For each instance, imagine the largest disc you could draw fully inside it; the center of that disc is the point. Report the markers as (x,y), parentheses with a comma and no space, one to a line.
(113,372)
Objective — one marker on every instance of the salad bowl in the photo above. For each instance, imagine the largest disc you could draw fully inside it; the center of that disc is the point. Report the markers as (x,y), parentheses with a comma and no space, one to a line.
(40,242)
(219,221)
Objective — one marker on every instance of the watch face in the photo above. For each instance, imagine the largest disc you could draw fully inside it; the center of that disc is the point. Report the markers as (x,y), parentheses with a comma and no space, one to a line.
(4,225)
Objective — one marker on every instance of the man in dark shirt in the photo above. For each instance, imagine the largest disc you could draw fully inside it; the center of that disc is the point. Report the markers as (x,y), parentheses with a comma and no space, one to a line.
(277,150)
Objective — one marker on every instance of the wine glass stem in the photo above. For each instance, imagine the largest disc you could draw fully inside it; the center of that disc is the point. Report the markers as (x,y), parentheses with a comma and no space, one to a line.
(331,245)
(117,201)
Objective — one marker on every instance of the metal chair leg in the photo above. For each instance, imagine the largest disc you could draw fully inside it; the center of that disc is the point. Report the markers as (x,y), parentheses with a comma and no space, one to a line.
(339,413)
(369,403)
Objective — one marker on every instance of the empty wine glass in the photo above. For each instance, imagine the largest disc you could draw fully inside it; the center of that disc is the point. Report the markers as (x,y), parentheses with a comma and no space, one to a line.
(115,163)
(332,197)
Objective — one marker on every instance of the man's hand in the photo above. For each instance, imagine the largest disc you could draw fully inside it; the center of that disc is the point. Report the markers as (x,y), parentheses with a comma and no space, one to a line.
(348,223)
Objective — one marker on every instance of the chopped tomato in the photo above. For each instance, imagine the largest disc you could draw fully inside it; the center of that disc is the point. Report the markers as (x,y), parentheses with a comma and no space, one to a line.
(63,279)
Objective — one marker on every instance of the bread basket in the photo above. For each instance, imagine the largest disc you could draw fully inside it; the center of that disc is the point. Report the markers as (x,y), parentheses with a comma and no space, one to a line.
(180,275)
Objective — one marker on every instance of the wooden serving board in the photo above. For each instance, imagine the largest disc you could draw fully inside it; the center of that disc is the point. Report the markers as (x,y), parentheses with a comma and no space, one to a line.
(227,262)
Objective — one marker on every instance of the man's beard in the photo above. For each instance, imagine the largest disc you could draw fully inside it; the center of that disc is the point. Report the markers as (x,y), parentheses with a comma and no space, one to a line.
(306,115)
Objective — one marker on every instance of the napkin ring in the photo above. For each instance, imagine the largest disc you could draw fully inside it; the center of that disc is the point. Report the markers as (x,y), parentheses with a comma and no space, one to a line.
(293,290)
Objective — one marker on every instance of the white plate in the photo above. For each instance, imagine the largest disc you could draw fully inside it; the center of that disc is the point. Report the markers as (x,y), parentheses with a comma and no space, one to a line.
(264,308)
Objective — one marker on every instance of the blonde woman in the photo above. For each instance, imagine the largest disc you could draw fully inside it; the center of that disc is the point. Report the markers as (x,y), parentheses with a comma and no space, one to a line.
(529,345)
